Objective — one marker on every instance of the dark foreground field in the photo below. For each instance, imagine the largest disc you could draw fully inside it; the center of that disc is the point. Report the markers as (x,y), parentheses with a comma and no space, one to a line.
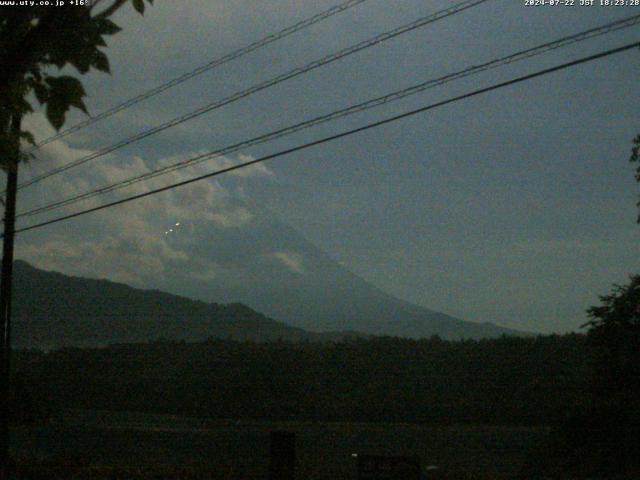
(104,444)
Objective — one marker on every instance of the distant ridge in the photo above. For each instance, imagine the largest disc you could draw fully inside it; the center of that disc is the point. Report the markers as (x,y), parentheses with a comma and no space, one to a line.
(52,310)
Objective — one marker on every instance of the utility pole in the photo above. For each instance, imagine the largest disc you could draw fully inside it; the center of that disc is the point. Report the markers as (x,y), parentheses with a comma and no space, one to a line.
(5,293)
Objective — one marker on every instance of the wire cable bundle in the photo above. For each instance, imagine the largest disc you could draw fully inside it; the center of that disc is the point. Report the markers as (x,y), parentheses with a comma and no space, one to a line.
(317,120)
(363,106)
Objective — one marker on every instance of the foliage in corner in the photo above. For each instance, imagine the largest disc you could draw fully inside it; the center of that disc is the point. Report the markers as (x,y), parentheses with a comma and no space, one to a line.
(635,158)
(615,333)
(36,40)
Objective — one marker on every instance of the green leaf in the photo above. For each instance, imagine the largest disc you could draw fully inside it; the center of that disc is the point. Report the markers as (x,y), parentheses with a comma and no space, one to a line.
(139,6)
(69,90)
(101,62)
(42,92)
(27,137)
(99,42)
(64,92)
(107,27)
(56,113)
(83,59)
(24,107)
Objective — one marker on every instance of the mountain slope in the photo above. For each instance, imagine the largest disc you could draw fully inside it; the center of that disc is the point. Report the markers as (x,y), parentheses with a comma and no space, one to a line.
(287,277)
(263,263)
(51,310)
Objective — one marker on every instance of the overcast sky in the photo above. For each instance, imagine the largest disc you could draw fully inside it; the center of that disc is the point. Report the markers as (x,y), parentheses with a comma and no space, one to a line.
(516,207)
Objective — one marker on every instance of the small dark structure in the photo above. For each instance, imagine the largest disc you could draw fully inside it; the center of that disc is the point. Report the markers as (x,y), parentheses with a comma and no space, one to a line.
(283,456)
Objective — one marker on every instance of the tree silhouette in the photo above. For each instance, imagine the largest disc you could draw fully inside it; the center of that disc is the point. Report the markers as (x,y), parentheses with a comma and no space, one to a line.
(34,41)
(615,336)
(635,158)
(615,328)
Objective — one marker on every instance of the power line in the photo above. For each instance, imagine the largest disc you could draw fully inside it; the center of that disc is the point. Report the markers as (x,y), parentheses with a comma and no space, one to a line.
(338,136)
(204,68)
(261,86)
(397,95)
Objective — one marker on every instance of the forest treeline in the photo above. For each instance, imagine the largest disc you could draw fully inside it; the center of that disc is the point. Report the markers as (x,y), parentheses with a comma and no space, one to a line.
(510,380)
